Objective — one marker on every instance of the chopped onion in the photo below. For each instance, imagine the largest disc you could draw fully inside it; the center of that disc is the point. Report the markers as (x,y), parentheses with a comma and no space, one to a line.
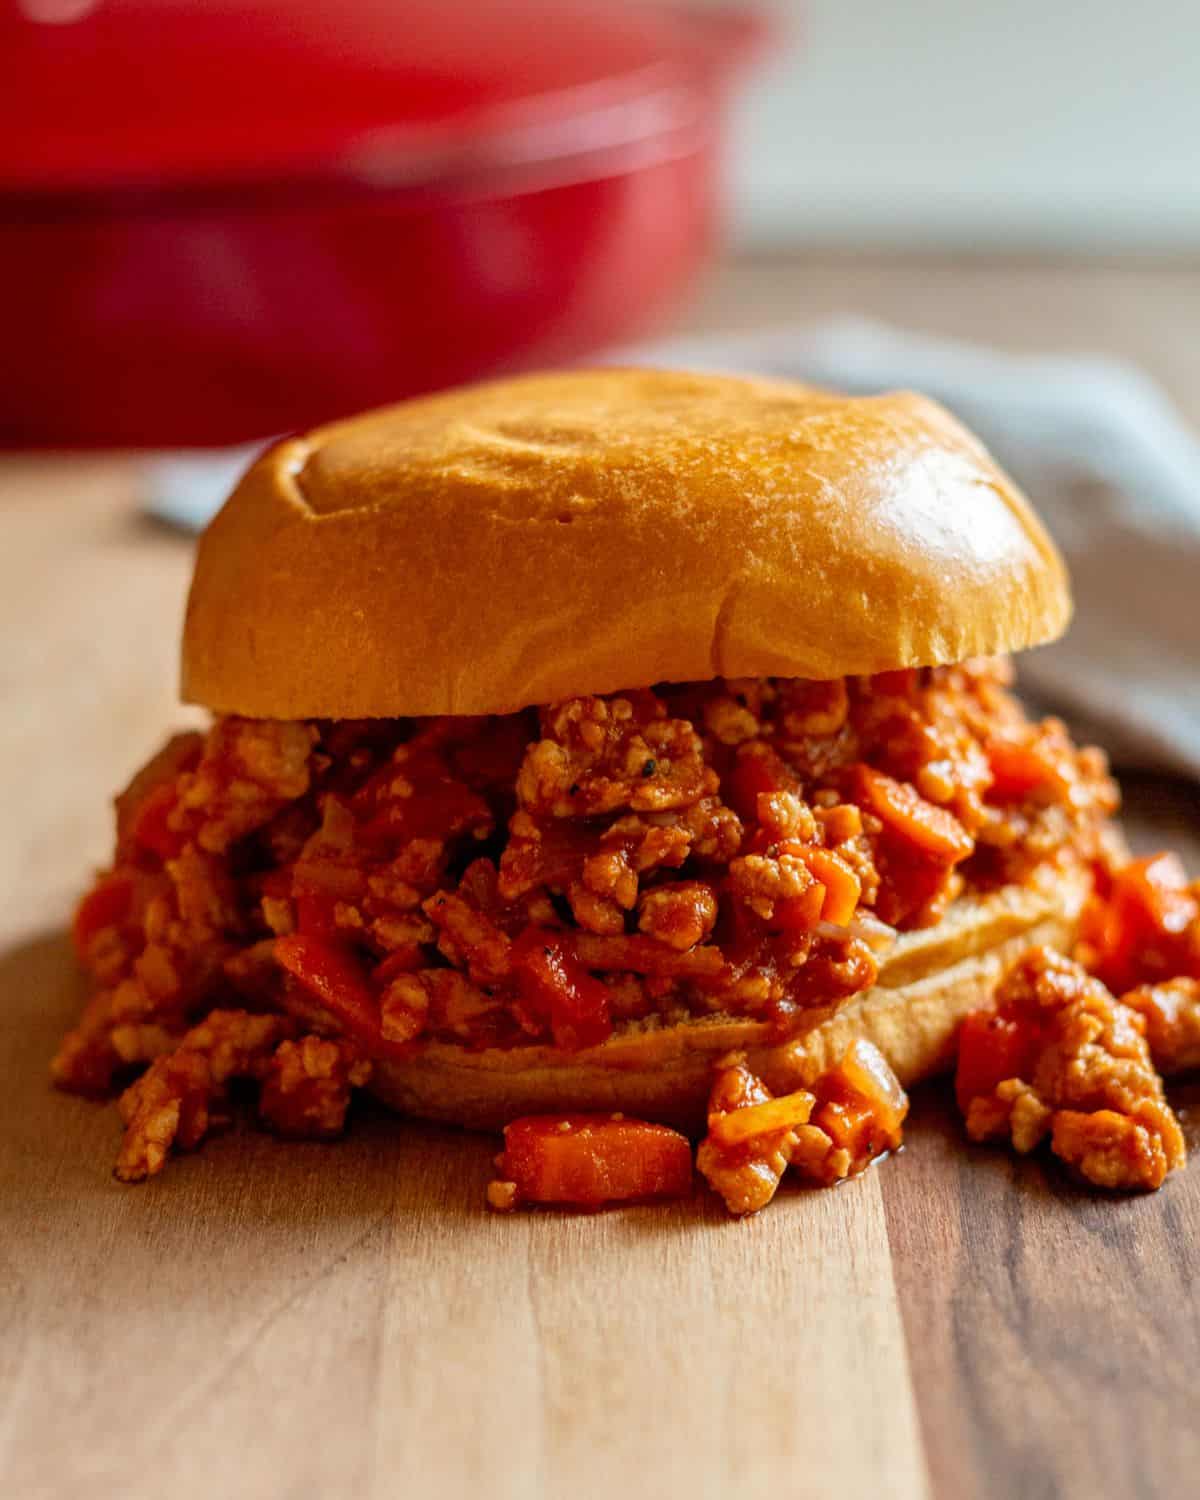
(877,935)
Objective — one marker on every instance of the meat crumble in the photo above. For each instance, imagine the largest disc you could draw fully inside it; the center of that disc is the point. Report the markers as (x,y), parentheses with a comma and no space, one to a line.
(352,890)
(852,1115)
(1059,1057)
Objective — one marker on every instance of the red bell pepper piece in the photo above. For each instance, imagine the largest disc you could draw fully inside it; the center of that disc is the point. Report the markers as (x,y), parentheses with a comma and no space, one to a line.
(752,776)
(434,805)
(991,1048)
(108,904)
(556,987)
(334,975)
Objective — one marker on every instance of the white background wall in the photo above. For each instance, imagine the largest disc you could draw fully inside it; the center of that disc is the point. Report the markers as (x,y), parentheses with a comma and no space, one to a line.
(1043,124)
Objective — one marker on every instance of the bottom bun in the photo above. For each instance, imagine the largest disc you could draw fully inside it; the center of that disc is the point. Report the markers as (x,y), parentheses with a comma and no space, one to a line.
(654,1071)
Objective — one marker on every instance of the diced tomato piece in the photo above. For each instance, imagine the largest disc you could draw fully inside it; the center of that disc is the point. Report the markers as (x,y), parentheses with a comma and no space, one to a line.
(406,959)
(153,792)
(316,915)
(149,827)
(909,816)
(991,1048)
(108,904)
(1136,934)
(334,975)
(417,798)
(1115,940)
(556,986)
(1019,767)
(1098,925)
(317,885)
(756,774)
(451,809)
(553,858)
(314,887)
(587,1160)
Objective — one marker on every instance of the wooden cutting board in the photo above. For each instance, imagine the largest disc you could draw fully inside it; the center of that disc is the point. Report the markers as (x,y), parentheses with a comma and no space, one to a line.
(272,1320)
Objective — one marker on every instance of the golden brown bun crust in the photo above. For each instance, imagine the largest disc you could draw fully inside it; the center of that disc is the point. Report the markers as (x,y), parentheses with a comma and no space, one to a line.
(931,981)
(538,538)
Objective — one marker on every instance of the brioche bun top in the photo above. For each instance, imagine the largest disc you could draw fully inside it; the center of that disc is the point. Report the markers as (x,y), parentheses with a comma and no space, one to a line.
(580,532)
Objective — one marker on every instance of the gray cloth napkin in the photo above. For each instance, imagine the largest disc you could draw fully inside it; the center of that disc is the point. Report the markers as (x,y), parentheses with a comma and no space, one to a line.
(1109,464)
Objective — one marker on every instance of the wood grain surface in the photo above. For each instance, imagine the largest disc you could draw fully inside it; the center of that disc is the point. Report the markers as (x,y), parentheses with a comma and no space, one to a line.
(300,1320)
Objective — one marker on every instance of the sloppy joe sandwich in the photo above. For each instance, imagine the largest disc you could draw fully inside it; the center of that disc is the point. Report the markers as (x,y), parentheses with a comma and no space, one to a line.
(601,755)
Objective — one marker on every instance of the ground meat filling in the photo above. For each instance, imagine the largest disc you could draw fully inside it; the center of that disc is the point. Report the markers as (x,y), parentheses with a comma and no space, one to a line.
(547,877)
(852,1114)
(1059,1057)
(183,1094)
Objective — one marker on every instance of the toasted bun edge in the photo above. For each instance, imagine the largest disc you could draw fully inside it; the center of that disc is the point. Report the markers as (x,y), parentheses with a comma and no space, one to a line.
(664,1073)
